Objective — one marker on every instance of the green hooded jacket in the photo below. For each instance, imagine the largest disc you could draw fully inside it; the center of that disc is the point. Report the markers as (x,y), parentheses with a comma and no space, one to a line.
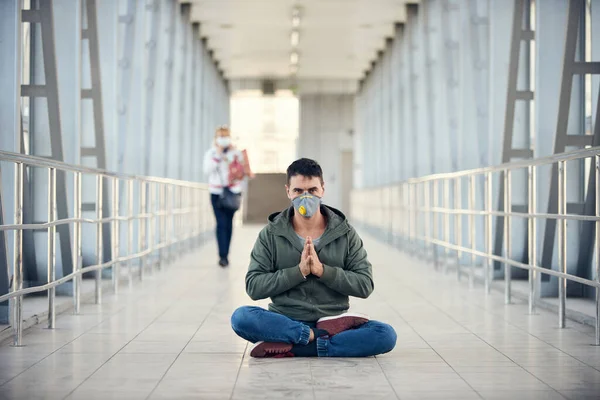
(274,268)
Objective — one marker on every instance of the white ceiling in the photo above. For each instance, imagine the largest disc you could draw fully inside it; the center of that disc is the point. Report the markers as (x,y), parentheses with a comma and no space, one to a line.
(338,38)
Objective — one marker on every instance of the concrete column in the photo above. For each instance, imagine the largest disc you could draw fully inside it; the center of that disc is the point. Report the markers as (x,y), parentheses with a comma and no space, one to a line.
(395,109)
(358,140)
(438,67)
(326,122)
(157,156)
(175,125)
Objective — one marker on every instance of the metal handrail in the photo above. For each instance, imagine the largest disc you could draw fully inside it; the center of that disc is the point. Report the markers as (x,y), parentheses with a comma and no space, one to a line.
(519,164)
(36,161)
(172,208)
(426,219)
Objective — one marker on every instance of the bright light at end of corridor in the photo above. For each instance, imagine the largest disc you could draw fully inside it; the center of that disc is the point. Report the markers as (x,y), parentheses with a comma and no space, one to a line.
(294,58)
(296,17)
(295,38)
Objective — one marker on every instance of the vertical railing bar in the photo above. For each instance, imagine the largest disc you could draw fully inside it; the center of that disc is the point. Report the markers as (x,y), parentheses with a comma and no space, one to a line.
(597,177)
(51,247)
(142,234)
(403,218)
(115,235)
(457,222)
(162,225)
(562,248)
(427,205)
(489,264)
(180,236)
(507,235)
(170,228)
(130,222)
(531,227)
(152,222)
(390,216)
(77,280)
(446,214)
(409,212)
(18,257)
(472,227)
(436,223)
(99,238)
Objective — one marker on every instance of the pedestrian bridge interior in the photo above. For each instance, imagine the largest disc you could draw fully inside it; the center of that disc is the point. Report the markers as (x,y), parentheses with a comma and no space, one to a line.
(459,137)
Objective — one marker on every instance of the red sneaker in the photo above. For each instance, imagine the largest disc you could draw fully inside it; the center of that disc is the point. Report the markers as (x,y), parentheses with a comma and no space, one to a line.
(342,322)
(271,349)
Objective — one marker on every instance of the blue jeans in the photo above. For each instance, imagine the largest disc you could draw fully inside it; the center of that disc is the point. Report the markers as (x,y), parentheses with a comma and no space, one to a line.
(224,219)
(257,324)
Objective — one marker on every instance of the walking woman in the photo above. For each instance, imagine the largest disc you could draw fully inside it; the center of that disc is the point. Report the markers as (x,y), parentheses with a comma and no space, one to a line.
(223,164)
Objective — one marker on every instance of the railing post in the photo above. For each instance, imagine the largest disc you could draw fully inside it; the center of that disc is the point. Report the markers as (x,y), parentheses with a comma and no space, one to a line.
(189,227)
(180,221)
(115,235)
(177,224)
(197,218)
(18,257)
(415,213)
(562,242)
(436,227)
(507,235)
(162,224)
(99,237)
(488,231)
(532,236)
(51,246)
(390,193)
(170,231)
(597,177)
(446,224)
(130,231)
(152,222)
(457,222)
(427,205)
(411,210)
(77,280)
(142,224)
(403,226)
(205,216)
(472,228)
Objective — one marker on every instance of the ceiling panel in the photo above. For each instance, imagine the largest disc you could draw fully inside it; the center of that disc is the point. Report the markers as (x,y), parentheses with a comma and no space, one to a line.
(338,38)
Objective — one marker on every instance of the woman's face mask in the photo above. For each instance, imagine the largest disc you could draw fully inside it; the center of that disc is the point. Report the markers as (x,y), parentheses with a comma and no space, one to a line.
(307,204)
(223,141)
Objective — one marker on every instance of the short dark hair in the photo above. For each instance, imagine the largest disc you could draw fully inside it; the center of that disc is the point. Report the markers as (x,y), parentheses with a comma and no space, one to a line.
(305,167)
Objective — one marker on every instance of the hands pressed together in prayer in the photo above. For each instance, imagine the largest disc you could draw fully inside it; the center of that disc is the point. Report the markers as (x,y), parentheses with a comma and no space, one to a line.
(309,262)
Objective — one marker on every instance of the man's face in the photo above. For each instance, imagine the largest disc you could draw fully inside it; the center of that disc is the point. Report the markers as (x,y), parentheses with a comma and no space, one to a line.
(300,184)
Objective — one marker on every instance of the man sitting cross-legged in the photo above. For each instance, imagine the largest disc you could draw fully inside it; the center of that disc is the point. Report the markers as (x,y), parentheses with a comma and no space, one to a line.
(308,260)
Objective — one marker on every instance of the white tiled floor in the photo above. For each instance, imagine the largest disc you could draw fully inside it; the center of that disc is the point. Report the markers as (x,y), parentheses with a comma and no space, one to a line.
(170,338)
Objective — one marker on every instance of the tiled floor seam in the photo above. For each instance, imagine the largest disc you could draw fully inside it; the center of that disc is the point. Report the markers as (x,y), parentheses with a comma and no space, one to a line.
(132,339)
(186,345)
(503,319)
(61,347)
(237,375)
(508,323)
(493,286)
(434,350)
(388,379)
(483,340)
